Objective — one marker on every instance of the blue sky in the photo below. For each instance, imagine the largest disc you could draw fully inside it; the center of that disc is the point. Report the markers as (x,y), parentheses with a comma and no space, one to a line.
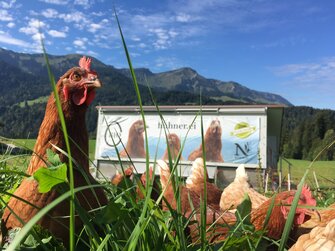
(284,47)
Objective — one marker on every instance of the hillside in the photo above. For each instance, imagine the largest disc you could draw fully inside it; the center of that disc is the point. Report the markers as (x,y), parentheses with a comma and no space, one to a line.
(25,87)
(32,67)
(188,80)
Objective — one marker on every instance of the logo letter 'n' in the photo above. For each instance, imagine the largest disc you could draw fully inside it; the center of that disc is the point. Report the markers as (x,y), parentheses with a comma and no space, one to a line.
(240,149)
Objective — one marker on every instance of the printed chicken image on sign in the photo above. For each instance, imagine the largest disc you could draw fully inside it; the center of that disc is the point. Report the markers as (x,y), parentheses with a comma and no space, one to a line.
(226,139)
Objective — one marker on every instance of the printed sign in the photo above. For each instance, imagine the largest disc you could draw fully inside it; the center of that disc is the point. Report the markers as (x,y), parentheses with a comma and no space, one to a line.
(228,138)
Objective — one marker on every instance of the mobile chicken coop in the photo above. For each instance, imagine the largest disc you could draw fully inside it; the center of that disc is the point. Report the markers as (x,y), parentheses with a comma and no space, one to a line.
(248,134)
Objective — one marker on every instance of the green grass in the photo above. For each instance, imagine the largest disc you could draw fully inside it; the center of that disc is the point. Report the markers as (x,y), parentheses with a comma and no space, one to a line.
(39,100)
(30,143)
(27,143)
(324,170)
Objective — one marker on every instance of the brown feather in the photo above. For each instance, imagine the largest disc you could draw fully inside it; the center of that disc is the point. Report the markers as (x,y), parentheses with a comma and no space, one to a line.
(213,144)
(195,183)
(234,193)
(50,132)
(174,147)
(135,143)
(277,219)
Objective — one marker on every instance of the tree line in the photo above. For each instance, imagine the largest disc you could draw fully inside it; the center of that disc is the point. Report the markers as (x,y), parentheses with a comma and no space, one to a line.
(306,131)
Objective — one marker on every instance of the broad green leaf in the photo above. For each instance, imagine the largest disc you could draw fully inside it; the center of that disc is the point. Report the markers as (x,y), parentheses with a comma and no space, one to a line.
(244,209)
(49,177)
(53,158)
(111,213)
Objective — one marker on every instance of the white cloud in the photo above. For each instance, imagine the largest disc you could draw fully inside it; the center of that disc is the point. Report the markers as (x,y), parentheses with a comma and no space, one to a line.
(57,2)
(55,33)
(167,63)
(162,30)
(98,14)
(164,38)
(84,3)
(183,17)
(78,18)
(316,78)
(151,21)
(7,39)
(196,6)
(135,54)
(7,4)
(136,38)
(80,43)
(94,27)
(87,53)
(11,25)
(50,13)
(33,27)
(5,16)
(38,37)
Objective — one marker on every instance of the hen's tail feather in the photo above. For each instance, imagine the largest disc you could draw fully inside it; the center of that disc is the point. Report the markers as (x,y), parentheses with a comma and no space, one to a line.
(241,173)
(197,173)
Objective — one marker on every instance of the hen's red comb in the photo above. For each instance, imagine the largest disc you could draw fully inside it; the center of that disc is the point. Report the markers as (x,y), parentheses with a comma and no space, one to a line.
(85,63)
(308,196)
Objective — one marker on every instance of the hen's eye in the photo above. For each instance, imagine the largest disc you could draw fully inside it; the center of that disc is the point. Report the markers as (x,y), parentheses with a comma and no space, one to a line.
(76,77)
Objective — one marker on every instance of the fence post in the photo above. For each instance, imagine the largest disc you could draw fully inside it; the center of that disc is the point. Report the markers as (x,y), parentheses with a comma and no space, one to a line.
(289,178)
(316,181)
(280,172)
(266,181)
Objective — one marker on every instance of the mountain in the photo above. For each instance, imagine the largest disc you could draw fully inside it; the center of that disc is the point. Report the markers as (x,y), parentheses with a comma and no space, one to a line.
(180,80)
(188,80)
(25,87)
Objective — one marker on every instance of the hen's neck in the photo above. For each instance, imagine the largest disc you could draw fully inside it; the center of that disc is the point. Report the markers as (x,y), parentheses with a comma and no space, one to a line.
(276,222)
(51,133)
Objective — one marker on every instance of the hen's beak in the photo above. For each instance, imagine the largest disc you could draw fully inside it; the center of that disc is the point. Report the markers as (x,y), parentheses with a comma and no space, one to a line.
(93,82)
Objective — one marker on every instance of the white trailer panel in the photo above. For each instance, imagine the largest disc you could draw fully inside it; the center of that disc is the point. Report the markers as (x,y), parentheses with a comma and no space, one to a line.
(245,136)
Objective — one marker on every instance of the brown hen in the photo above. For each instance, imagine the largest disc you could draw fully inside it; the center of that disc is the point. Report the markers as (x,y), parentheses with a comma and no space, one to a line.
(174,147)
(320,238)
(190,207)
(153,181)
(319,219)
(213,144)
(119,177)
(76,90)
(135,144)
(279,213)
(234,193)
(195,183)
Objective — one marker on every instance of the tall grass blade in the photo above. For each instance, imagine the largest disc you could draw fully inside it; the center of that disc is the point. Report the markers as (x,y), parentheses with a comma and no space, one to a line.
(133,240)
(66,138)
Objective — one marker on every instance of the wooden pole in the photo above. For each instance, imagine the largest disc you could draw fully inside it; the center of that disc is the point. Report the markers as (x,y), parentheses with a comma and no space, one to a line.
(289,178)
(280,173)
(316,181)
(266,182)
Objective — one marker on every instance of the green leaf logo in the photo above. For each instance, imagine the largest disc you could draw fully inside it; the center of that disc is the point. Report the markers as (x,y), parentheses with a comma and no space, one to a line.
(243,130)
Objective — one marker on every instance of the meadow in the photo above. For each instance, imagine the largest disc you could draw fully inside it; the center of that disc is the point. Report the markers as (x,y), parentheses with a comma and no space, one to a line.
(324,170)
